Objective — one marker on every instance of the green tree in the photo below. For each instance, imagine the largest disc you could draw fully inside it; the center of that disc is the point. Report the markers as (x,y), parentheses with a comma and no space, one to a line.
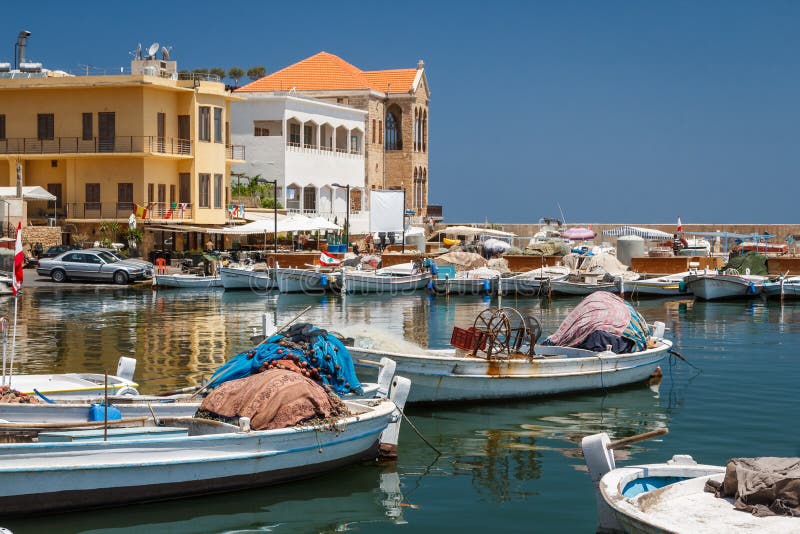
(109,231)
(218,72)
(254,73)
(235,73)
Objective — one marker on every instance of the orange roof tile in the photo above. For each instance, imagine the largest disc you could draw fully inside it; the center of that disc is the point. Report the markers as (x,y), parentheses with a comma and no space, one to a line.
(327,72)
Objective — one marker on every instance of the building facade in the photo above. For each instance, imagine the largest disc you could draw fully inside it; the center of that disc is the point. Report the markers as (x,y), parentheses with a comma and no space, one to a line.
(314,149)
(102,144)
(396,127)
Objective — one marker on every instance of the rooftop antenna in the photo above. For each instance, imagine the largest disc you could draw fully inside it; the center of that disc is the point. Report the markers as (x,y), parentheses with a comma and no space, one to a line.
(86,68)
(165,52)
(137,54)
(152,51)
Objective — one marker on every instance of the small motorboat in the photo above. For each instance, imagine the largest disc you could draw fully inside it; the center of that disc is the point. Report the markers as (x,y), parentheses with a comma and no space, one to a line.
(783,287)
(480,281)
(666,497)
(584,284)
(77,385)
(710,285)
(246,277)
(662,286)
(392,280)
(292,280)
(533,282)
(187,280)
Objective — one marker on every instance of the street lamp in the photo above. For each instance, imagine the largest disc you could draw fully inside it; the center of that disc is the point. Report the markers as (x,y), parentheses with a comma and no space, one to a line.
(274,208)
(347,217)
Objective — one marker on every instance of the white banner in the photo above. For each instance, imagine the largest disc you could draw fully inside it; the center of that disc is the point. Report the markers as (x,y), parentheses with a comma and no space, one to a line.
(386,211)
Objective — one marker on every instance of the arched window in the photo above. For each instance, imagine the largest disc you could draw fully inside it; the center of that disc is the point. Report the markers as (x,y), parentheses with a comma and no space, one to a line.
(393,137)
(425,131)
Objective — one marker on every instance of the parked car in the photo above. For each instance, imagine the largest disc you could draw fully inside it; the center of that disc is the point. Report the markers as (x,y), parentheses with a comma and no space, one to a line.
(96,265)
(55,250)
(120,257)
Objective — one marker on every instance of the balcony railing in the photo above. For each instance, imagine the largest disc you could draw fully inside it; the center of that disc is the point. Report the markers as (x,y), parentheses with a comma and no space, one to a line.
(234,152)
(156,211)
(129,144)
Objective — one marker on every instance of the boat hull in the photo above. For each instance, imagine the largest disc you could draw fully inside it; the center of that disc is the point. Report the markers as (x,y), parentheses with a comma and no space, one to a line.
(51,477)
(233,278)
(171,280)
(465,286)
(303,281)
(656,289)
(790,290)
(442,376)
(579,288)
(369,283)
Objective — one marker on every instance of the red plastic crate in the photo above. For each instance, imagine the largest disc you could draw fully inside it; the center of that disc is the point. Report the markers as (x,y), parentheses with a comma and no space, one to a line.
(469,339)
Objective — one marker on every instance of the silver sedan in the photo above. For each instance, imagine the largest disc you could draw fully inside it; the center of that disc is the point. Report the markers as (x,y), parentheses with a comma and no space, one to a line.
(96,265)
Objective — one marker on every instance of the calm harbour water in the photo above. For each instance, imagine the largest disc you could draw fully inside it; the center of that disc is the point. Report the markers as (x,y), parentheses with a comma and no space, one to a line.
(510,466)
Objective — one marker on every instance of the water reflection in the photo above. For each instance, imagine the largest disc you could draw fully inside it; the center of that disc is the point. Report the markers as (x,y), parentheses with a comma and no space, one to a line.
(346,500)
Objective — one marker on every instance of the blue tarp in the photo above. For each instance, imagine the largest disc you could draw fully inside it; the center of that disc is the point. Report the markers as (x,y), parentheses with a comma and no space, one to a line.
(323,352)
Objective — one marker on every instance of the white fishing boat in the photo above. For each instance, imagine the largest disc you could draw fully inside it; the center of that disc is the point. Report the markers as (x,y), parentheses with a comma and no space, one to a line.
(715,286)
(666,497)
(291,280)
(533,282)
(188,280)
(79,411)
(246,278)
(583,284)
(70,470)
(783,287)
(669,285)
(502,365)
(480,281)
(77,385)
(392,280)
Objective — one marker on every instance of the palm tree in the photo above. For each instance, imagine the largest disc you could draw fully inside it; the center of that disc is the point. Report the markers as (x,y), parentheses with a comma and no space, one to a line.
(234,73)
(254,73)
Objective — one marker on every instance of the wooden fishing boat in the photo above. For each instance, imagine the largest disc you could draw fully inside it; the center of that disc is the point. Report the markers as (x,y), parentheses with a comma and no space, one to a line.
(392,280)
(291,280)
(662,286)
(500,363)
(182,457)
(714,286)
(783,287)
(188,280)
(665,497)
(461,285)
(78,385)
(246,278)
(76,412)
(533,282)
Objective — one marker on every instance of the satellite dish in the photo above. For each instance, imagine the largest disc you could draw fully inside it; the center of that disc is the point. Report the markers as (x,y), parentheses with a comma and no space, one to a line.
(139,51)
(164,53)
(152,50)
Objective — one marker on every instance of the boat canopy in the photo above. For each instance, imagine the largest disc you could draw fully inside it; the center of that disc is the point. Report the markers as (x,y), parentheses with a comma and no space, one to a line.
(469,231)
(286,223)
(644,233)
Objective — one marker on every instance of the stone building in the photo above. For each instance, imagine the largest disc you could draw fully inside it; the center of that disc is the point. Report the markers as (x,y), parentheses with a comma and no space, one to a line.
(397,105)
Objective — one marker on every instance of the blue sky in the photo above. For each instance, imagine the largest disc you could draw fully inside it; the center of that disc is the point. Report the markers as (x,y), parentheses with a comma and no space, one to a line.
(618,111)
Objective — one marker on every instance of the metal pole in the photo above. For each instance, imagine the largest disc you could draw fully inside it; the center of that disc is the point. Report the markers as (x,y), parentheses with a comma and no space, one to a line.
(404,221)
(275,212)
(347,221)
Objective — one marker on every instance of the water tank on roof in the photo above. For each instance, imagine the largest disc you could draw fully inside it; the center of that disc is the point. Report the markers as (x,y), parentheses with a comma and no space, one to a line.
(5,67)
(630,246)
(30,67)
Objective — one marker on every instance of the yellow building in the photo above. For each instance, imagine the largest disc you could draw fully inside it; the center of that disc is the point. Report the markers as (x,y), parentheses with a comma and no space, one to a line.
(104,143)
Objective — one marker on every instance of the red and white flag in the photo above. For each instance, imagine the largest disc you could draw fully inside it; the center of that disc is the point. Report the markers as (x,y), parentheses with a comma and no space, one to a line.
(680,226)
(19,262)
(327,259)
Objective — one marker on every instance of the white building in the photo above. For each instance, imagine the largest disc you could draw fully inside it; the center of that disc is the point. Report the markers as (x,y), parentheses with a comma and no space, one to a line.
(308,145)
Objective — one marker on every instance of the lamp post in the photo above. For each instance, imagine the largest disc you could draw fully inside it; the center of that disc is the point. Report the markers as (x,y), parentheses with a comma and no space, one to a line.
(274,208)
(347,216)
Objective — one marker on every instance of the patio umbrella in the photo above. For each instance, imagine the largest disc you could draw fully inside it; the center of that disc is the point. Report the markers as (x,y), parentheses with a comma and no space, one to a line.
(578,234)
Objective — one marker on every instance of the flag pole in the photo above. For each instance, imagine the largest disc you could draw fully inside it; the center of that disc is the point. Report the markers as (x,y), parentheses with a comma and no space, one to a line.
(4,325)
(13,342)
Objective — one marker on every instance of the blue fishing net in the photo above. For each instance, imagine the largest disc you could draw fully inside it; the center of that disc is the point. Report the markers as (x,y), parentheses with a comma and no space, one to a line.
(326,358)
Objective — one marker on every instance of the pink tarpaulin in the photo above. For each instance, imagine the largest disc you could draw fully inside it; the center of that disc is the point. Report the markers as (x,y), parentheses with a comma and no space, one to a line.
(578,234)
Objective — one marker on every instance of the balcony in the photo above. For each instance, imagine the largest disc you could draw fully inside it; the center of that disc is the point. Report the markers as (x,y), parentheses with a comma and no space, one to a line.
(97,145)
(156,211)
(234,152)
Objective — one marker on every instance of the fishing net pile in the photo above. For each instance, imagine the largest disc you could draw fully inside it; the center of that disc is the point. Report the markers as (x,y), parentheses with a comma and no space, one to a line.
(599,320)
(17,397)
(278,397)
(462,261)
(761,486)
(319,355)
(757,263)
(547,248)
